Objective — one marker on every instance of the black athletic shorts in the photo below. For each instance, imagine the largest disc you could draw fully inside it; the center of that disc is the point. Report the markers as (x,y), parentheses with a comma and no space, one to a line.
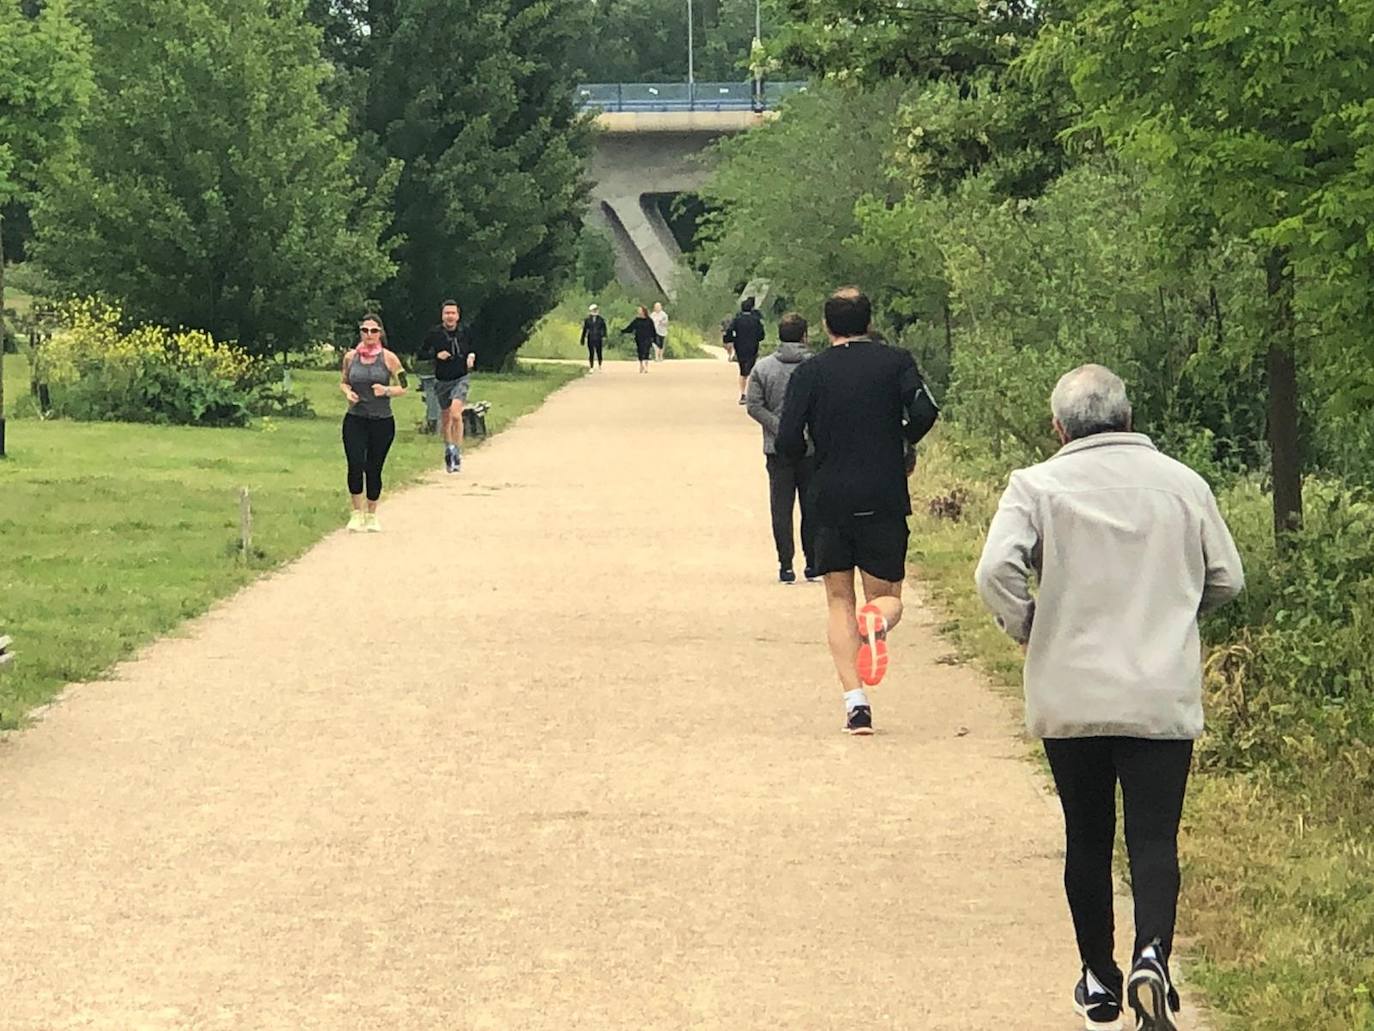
(875,544)
(746,360)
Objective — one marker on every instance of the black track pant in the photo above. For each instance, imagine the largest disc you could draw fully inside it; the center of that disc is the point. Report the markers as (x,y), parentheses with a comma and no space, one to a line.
(594,348)
(1153,776)
(787,482)
(366,442)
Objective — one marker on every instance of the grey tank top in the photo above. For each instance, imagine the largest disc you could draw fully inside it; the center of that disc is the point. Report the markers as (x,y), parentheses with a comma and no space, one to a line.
(360,378)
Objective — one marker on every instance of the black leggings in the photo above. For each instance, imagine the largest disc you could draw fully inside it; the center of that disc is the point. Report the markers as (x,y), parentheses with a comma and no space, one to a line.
(1154,777)
(594,351)
(366,442)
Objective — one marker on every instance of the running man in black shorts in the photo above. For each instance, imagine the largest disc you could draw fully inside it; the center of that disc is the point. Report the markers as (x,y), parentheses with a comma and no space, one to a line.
(745,335)
(449,346)
(854,400)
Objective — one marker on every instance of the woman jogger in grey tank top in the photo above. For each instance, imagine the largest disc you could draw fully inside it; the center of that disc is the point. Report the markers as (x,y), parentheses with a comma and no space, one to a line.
(371,377)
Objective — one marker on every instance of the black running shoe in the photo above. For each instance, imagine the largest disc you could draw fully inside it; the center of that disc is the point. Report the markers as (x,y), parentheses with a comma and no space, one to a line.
(811,575)
(457,461)
(448,461)
(860,722)
(1099,1008)
(1151,993)
(743,400)
(786,576)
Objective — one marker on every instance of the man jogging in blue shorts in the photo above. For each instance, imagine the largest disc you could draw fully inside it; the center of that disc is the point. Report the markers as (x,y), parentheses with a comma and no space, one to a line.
(449,346)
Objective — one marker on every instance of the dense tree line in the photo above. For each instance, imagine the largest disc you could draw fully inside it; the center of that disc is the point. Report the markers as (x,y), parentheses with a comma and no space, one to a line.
(262,169)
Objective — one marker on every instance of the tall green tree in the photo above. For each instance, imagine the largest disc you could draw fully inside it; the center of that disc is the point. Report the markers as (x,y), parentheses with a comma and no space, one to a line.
(476,100)
(213,186)
(1256,120)
(44,82)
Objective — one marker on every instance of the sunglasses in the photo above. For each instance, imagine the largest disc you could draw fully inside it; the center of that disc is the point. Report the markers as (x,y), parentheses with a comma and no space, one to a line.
(368,330)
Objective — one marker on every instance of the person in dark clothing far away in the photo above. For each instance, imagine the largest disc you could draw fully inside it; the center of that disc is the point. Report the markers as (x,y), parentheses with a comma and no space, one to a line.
(788,480)
(594,336)
(645,334)
(449,346)
(725,340)
(745,335)
(856,400)
(1127,547)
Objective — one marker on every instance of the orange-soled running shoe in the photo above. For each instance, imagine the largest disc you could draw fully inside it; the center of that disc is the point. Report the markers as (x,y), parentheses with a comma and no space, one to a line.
(872,660)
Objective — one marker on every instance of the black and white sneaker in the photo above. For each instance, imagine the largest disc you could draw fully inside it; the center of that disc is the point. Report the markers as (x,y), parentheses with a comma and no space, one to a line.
(786,576)
(860,722)
(448,460)
(1151,993)
(457,461)
(1099,1007)
(811,575)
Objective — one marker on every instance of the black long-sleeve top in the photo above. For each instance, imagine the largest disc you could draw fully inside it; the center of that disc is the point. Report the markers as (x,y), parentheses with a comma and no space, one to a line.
(643,329)
(853,401)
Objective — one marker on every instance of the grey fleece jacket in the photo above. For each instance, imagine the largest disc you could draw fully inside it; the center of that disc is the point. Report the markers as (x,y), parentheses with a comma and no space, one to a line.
(768,388)
(1128,547)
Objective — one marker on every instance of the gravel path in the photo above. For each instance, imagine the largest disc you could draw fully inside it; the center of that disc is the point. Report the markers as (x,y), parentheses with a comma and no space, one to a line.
(555,752)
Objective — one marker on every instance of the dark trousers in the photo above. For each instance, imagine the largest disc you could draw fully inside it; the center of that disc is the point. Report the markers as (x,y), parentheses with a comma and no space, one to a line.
(594,348)
(788,481)
(1154,777)
(366,442)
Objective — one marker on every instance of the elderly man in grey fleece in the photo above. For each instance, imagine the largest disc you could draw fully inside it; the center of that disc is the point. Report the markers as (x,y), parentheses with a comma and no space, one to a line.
(1127,547)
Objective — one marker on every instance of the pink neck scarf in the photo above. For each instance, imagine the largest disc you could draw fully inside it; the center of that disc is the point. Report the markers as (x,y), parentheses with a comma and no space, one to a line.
(369,350)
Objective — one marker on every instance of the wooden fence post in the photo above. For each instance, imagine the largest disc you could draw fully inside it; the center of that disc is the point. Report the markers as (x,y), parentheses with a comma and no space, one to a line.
(245,524)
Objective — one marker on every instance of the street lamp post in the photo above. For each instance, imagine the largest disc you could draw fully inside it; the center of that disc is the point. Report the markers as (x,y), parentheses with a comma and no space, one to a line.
(757,54)
(691,68)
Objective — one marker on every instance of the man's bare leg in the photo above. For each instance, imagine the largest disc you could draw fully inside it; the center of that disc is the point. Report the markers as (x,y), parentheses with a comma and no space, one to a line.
(454,434)
(455,421)
(841,628)
(843,633)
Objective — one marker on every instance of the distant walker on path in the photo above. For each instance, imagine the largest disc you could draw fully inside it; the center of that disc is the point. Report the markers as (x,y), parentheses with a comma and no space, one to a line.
(594,336)
(660,320)
(641,327)
(1128,547)
(789,480)
(745,336)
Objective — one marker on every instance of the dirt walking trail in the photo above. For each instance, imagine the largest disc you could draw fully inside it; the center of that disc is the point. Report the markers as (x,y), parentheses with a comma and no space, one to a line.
(554,751)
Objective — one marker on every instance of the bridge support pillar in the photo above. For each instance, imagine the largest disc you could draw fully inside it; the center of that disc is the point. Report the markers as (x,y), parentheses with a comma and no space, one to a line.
(646,253)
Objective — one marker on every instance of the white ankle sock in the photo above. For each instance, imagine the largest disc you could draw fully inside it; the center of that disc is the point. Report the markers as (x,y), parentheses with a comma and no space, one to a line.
(853,699)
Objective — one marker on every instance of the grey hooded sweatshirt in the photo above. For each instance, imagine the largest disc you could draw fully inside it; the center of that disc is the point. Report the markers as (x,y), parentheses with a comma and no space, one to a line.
(768,388)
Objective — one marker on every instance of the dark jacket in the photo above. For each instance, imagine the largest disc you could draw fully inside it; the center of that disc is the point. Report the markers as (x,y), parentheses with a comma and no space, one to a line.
(458,345)
(643,329)
(593,329)
(746,331)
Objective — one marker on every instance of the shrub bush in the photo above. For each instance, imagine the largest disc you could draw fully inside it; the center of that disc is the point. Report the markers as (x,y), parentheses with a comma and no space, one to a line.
(100,371)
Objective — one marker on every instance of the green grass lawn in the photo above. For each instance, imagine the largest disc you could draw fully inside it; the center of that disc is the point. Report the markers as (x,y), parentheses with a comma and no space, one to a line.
(112,534)
(21,302)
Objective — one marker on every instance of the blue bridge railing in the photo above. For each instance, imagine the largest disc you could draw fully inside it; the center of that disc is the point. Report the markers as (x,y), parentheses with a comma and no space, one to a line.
(679,96)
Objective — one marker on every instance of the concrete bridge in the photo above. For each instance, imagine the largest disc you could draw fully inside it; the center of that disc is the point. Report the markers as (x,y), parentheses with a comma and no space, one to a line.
(650,145)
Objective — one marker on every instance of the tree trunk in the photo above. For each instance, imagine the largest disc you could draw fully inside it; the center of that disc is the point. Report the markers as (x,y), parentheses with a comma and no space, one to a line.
(1283,397)
(2,335)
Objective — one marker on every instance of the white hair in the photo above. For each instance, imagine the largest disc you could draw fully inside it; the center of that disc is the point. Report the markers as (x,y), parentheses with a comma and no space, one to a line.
(1091,399)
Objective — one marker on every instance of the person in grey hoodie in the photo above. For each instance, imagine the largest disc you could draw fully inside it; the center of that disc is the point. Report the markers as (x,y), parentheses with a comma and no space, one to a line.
(788,480)
(1128,547)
